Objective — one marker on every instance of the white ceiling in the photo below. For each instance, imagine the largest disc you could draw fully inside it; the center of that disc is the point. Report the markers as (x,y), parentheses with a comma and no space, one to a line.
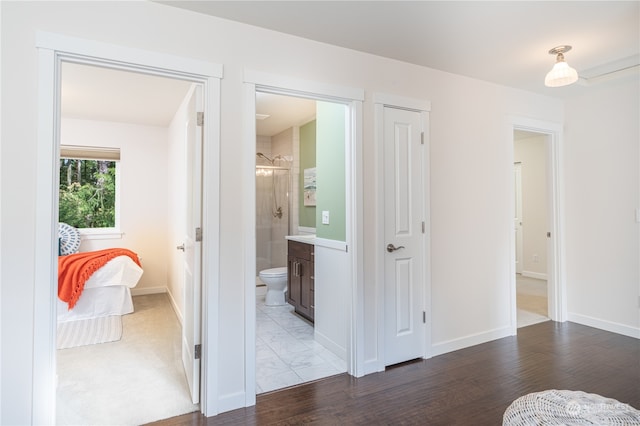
(283,112)
(505,42)
(95,93)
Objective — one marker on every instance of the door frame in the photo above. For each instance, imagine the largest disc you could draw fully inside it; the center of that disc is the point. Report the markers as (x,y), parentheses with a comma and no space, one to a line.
(52,50)
(353,99)
(382,100)
(556,284)
(517,166)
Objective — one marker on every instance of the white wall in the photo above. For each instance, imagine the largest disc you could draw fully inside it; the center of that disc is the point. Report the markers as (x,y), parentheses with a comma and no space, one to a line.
(331,295)
(531,152)
(143,196)
(471,172)
(602,155)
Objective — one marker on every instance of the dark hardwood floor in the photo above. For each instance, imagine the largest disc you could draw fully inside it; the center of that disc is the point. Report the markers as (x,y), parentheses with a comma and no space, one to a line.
(471,386)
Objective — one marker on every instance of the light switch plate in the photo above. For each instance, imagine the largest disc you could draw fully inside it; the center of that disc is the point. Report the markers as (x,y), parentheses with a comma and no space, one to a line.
(325,217)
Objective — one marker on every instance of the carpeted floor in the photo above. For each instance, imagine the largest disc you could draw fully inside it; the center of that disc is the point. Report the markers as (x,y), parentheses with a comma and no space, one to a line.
(531,300)
(136,380)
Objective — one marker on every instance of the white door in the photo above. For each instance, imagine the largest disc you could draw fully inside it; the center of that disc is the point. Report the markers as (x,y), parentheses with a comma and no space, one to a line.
(404,214)
(517,220)
(192,247)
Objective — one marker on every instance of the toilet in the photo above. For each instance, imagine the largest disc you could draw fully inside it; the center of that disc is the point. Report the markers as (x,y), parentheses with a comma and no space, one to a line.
(276,281)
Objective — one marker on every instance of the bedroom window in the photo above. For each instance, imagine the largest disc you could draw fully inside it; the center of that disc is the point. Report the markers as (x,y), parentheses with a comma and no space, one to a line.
(89,189)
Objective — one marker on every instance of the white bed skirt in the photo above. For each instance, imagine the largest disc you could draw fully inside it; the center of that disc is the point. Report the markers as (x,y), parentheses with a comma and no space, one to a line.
(98,302)
(106,292)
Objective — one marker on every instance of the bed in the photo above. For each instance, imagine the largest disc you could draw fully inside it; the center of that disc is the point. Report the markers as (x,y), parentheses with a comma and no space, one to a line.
(110,275)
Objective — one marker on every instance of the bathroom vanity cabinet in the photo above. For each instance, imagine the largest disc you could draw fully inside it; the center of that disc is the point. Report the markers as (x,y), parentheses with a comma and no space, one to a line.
(300,281)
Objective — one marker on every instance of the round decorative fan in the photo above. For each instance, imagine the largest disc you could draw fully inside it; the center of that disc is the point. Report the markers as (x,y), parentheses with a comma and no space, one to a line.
(69,239)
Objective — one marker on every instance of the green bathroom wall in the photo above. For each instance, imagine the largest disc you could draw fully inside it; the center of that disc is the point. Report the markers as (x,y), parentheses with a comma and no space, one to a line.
(307,214)
(330,170)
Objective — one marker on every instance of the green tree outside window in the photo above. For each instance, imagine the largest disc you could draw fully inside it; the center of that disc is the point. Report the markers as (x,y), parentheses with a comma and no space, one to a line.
(87,193)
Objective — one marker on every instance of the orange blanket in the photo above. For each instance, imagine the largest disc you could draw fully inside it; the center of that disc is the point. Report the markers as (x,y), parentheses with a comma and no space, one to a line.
(75,269)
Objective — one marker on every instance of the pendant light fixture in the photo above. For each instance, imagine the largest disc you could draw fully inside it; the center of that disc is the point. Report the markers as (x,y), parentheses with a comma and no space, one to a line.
(561,74)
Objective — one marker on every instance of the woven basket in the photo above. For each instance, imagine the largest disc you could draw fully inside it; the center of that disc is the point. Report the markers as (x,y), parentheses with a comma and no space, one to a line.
(564,407)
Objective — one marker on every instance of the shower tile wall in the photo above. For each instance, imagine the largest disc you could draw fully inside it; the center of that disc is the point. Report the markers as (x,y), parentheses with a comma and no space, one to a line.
(271,245)
(263,212)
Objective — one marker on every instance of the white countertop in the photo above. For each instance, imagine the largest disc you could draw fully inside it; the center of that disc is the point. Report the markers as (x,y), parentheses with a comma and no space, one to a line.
(302,238)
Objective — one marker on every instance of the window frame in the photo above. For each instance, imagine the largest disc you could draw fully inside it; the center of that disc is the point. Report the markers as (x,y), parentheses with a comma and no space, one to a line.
(89,153)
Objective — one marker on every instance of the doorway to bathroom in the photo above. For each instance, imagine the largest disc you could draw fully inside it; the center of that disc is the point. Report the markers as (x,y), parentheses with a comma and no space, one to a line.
(288,349)
(338,268)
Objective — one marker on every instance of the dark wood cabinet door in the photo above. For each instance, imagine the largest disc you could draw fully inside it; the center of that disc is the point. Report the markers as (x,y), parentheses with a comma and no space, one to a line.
(305,302)
(300,278)
(293,283)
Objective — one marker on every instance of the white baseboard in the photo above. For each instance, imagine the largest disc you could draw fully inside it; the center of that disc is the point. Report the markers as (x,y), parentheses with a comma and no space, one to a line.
(372,366)
(174,305)
(159,290)
(147,290)
(537,275)
(329,344)
(261,290)
(231,402)
(470,340)
(613,327)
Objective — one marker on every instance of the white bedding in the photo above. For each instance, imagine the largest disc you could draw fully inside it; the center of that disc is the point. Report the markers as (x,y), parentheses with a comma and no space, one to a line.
(106,292)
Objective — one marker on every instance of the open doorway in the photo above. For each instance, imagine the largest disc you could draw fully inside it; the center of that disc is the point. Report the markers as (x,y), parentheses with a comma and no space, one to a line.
(291,134)
(106,110)
(531,226)
(53,51)
(336,246)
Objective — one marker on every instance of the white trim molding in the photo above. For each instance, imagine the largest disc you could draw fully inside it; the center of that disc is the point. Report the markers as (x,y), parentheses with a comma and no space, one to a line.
(352,98)
(536,275)
(127,57)
(53,49)
(556,283)
(401,102)
(613,327)
(299,87)
(469,340)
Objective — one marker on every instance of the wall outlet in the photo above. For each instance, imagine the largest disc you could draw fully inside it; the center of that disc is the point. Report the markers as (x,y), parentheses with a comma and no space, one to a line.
(325,217)
(535,258)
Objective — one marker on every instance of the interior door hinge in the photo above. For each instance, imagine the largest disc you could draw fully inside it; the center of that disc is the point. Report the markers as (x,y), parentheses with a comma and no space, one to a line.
(423,227)
(200,118)
(197,351)
(198,234)
(424,317)
(422,138)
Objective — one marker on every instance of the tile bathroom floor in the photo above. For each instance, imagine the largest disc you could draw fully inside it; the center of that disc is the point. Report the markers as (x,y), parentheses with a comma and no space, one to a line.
(286,352)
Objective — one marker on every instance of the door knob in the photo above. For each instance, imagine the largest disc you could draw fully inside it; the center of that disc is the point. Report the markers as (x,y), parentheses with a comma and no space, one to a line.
(391,248)
(180,247)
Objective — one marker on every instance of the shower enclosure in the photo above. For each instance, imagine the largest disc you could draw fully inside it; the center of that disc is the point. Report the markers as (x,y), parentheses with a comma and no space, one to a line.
(273,185)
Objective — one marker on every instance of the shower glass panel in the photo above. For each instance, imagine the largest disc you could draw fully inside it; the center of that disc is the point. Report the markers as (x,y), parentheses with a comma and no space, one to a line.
(272,216)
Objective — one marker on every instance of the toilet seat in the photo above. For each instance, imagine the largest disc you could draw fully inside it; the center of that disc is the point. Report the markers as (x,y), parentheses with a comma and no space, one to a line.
(274,272)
